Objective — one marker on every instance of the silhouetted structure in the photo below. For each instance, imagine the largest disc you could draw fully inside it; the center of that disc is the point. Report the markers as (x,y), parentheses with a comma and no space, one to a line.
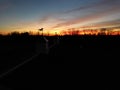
(42,44)
(41,31)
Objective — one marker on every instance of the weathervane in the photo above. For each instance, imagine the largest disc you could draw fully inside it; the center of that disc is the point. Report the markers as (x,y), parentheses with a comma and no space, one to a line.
(41,29)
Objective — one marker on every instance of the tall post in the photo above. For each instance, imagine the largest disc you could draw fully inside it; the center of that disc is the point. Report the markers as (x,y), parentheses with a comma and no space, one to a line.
(41,30)
(42,45)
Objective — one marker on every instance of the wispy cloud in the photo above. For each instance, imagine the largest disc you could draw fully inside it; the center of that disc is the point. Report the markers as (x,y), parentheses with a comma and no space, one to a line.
(88,18)
(105,24)
(44,19)
(108,23)
(93,5)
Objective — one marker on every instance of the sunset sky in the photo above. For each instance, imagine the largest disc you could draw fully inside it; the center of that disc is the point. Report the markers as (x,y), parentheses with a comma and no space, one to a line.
(57,15)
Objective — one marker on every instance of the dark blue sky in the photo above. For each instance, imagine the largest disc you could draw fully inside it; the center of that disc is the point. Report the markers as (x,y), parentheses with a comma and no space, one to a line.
(56,15)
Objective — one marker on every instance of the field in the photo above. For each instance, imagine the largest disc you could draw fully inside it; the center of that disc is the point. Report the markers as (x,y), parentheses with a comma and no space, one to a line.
(93,57)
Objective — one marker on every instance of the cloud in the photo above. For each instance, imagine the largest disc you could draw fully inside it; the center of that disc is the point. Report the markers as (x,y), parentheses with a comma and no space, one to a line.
(108,23)
(50,19)
(45,19)
(94,5)
(103,7)
(88,18)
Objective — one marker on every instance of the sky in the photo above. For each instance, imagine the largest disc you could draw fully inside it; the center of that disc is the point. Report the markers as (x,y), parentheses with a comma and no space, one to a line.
(57,15)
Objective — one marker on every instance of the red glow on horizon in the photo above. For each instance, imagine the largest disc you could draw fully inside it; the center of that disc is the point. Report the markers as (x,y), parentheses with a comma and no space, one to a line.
(71,32)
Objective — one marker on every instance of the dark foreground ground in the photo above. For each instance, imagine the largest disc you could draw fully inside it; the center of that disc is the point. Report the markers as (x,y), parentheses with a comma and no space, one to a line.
(84,62)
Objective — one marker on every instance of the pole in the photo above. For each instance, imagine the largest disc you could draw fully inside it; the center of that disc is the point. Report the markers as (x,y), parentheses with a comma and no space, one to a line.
(42,32)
